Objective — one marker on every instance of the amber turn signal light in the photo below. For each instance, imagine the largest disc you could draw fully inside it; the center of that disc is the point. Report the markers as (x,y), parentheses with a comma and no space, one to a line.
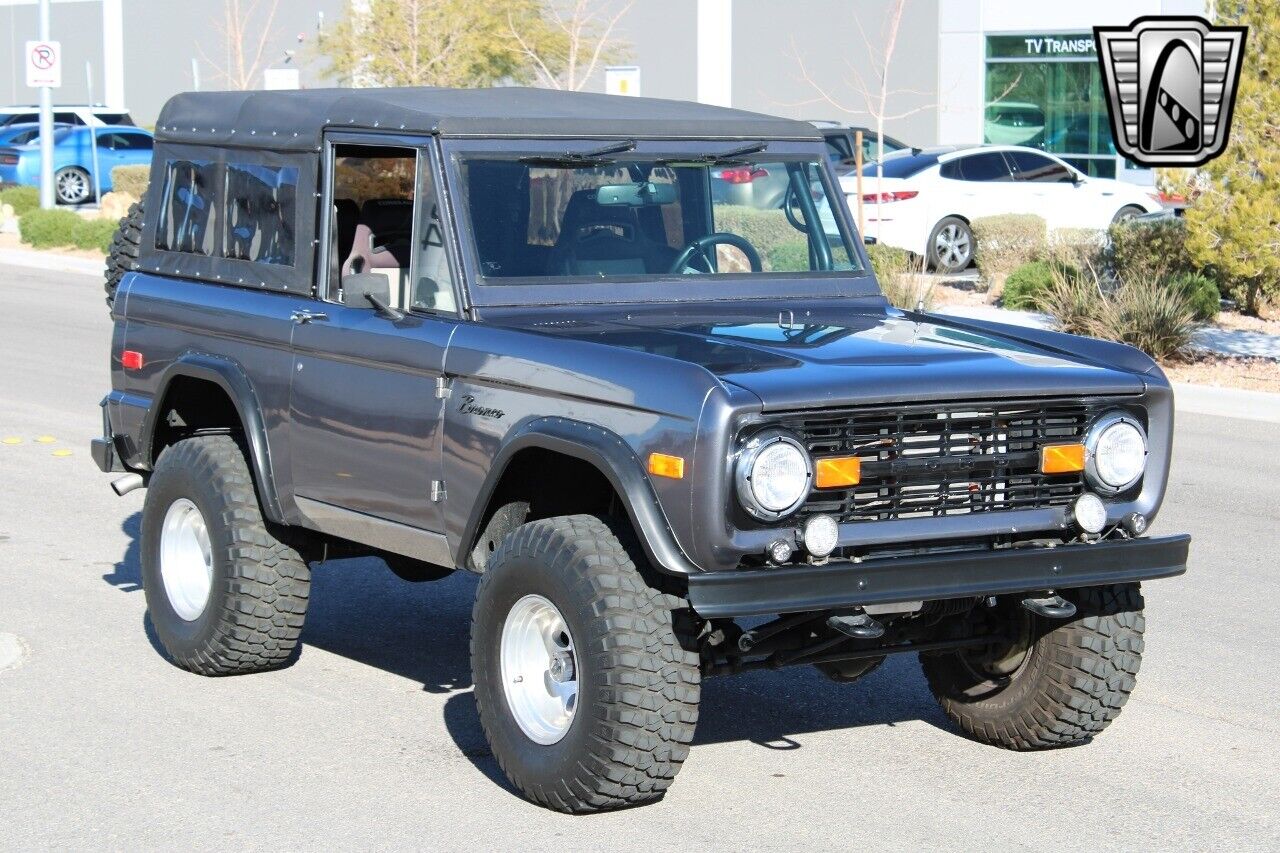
(836,471)
(663,465)
(1061,458)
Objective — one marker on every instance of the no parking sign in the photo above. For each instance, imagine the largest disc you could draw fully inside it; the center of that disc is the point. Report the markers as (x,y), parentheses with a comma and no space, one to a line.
(44,64)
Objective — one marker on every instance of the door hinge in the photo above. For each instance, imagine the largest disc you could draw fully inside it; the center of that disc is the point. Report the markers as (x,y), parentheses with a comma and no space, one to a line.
(437,491)
(443,388)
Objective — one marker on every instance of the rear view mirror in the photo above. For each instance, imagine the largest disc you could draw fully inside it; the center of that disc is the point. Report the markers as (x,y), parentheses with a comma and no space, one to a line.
(636,195)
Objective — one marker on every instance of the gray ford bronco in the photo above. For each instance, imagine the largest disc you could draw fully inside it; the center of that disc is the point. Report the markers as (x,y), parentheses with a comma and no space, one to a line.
(540,337)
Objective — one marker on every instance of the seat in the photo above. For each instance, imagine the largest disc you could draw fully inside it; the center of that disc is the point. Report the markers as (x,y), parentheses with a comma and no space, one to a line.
(382,242)
(599,240)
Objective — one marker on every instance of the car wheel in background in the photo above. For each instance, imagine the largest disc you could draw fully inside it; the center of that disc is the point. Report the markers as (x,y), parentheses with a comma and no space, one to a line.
(224,594)
(72,185)
(1126,213)
(951,245)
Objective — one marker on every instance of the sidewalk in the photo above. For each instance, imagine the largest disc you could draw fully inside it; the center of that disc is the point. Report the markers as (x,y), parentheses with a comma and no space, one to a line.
(51,261)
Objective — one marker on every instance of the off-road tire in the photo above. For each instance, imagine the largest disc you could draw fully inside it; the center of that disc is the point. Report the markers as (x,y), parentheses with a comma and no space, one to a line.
(1075,680)
(260,585)
(123,254)
(639,682)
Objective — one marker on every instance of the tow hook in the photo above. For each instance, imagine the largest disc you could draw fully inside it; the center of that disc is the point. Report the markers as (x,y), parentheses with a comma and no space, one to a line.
(123,485)
(1051,607)
(859,626)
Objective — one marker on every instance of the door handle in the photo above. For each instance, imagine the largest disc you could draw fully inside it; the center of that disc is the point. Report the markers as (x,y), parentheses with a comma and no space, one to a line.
(304,317)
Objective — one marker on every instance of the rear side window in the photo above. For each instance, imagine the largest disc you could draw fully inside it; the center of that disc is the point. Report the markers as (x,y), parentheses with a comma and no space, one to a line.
(989,166)
(261,213)
(189,209)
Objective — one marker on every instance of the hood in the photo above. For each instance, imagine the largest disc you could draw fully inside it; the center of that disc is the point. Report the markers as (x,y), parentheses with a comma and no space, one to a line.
(842,357)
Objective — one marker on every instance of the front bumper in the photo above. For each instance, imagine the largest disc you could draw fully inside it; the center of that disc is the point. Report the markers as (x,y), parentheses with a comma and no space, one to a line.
(964,574)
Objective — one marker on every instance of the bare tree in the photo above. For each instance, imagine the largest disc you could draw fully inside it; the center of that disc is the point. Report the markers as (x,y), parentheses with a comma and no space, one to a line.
(581,37)
(245,35)
(875,93)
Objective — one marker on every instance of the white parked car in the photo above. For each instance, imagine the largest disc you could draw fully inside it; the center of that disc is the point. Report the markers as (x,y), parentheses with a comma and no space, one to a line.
(926,198)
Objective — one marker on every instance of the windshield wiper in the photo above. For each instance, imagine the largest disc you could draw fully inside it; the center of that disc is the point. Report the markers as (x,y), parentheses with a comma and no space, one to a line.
(720,159)
(596,157)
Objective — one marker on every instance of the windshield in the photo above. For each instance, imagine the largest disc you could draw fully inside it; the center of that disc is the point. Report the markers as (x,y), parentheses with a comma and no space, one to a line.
(556,218)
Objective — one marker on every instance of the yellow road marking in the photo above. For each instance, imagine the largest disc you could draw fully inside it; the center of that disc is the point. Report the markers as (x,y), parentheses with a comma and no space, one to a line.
(62,452)
(11,439)
(45,439)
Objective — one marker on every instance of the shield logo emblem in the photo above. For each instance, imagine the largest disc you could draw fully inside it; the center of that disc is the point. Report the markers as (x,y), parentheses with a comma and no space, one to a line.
(1171,86)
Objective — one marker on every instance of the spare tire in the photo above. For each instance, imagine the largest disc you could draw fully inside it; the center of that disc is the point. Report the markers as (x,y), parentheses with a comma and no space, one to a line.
(123,256)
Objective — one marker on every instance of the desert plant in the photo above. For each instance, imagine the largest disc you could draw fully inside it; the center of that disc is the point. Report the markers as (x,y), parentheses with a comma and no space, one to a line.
(899,274)
(131,179)
(1201,292)
(1147,314)
(20,198)
(1074,301)
(1005,243)
(1153,250)
(1076,247)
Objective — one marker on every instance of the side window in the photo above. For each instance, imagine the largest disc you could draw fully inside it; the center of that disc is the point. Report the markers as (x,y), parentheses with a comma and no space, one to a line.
(433,282)
(64,118)
(371,227)
(188,211)
(838,150)
(261,216)
(988,166)
(1038,168)
(132,142)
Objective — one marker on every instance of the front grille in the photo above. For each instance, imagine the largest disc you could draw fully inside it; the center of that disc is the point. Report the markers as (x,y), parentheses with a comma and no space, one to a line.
(944,459)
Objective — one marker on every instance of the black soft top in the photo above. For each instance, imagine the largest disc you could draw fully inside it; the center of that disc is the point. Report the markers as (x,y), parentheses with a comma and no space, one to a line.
(295,120)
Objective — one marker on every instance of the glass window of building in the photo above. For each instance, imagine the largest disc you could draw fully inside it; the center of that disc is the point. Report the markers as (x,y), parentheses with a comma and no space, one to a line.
(1045,91)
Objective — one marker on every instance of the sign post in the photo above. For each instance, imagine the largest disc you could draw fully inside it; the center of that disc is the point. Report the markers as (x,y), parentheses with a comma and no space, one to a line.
(44,72)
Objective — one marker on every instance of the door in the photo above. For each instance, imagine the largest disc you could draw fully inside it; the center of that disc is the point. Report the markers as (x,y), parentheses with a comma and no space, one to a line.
(984,185)
(1058,197)
(364,410)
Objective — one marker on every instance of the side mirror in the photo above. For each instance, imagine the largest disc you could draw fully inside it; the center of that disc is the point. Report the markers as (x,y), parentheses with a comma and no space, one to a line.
(365,289)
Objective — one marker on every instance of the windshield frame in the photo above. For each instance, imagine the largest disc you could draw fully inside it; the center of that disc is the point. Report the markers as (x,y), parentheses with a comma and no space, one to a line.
(651,288)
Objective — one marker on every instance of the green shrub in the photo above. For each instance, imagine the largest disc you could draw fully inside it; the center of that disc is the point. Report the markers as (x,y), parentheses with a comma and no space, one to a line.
(788,257)
(1073,301)
(1005,243)
(131,179)
(899,275)
(1148,249)
(1146,314)
(888,261)
(47,229)
(94,234)
(1026,285)
(764,229)
(1200,290)
(21,199)
(54,229)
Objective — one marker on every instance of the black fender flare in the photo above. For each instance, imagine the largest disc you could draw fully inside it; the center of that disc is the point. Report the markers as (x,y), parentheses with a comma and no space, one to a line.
(231,378)
(614,458)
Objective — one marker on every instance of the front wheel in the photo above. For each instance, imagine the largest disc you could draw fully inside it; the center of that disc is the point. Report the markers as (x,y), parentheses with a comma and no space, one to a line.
(1048,683)
(587,692)
(1126,213)
(951,246)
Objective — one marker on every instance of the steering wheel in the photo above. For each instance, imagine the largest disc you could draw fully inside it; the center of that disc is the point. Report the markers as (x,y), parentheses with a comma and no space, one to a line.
(701,248)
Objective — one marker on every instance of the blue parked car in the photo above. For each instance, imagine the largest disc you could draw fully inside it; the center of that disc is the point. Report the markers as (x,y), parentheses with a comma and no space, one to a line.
(73,159)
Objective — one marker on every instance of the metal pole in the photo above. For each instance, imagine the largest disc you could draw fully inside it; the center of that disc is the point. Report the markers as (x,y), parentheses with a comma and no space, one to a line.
(47,200)
(93,139)
(857,170)
(195,75)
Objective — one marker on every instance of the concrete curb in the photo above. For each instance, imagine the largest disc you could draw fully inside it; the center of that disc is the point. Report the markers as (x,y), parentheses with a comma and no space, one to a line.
(1227,402)
(51,262)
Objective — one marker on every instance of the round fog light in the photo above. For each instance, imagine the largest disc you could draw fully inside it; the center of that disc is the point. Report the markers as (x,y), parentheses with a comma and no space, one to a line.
(1090,513)
(779,551)
(821,535)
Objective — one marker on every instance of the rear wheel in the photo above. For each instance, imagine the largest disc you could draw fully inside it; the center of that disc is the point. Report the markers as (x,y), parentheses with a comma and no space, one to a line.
(1051,683)
(123,255)
(951,245)
(224,594)
(587,692)
(72,185)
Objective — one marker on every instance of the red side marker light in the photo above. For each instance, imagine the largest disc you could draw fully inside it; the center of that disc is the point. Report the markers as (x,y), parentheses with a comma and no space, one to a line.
(131,360)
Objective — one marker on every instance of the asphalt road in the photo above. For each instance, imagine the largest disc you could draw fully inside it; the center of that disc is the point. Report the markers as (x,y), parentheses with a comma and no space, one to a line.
(371,739)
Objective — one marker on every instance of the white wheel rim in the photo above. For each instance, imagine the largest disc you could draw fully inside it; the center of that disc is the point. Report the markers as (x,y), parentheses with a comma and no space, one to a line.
(952,244)
(73,186)
(539,669)
(186,559)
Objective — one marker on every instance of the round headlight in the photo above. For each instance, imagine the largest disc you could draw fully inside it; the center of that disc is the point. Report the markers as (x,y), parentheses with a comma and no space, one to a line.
(773,475)
(1116,452)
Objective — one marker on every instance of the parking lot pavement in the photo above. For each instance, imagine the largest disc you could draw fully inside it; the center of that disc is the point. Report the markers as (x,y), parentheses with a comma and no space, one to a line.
(371,740)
